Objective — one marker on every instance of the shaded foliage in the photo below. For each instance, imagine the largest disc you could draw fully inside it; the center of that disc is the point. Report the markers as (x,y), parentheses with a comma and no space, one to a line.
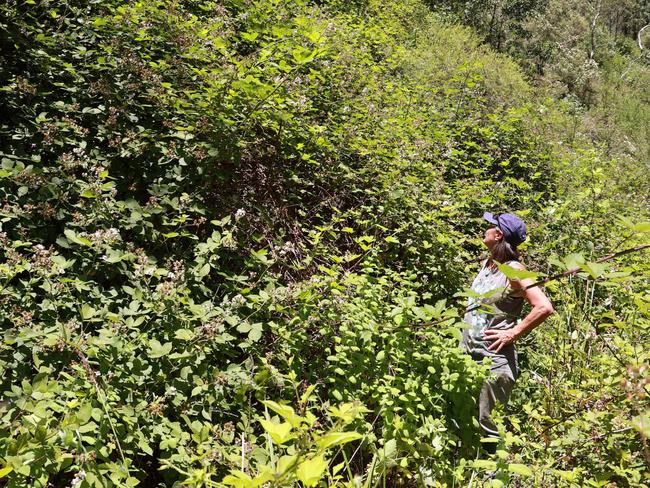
(212,211)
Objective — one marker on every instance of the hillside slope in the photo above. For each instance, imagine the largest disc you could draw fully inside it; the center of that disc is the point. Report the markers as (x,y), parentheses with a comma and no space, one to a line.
(210,209)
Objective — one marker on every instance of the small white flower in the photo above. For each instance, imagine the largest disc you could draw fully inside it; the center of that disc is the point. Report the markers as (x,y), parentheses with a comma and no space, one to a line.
(78,478)
(238,300)
(241,213)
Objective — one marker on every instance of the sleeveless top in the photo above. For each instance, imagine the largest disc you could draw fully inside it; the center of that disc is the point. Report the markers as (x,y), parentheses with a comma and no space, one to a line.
(496,312)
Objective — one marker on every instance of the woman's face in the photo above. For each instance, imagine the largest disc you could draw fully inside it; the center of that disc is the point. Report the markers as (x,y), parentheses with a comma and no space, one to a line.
(492,236)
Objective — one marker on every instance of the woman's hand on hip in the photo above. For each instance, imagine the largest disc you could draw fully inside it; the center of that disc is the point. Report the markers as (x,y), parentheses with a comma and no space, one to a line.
(500,338)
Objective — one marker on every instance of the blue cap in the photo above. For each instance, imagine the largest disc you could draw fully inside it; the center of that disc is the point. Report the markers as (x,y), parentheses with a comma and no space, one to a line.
(513,228)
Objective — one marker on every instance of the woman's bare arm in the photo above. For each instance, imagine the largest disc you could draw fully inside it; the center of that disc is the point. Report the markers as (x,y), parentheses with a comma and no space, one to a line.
(541,309)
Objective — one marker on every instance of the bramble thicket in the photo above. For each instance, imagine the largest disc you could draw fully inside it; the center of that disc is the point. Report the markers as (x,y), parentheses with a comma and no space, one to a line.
(227,228)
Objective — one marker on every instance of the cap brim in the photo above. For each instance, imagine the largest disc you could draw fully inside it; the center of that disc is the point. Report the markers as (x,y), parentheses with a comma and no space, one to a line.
(490,218)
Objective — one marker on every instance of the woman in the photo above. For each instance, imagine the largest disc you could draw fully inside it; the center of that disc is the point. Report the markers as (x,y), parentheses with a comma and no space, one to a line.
(494,328)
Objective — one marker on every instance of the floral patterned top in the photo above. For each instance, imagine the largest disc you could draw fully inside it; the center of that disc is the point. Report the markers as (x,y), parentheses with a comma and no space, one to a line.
(497,312)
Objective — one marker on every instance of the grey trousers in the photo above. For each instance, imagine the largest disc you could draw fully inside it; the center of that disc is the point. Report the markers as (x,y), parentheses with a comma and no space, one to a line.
(494,390)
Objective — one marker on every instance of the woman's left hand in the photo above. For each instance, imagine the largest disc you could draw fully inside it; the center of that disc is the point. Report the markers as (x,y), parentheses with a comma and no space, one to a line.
(500,337)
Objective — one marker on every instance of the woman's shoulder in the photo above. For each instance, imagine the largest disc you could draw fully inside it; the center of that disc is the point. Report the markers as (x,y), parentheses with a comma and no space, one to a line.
(515,283)
(516,265)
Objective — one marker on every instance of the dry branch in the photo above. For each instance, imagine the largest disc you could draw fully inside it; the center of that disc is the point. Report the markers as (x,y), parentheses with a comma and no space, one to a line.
(638,36)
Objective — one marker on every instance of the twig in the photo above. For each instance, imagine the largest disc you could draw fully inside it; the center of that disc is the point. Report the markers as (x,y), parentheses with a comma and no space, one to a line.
(569,416)
(360,443)
(102,397)
(617,431)
(570,272)
(638,36)
(242,452)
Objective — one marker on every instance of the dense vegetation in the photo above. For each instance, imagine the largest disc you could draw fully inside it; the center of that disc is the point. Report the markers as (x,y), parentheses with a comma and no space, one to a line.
(228,226)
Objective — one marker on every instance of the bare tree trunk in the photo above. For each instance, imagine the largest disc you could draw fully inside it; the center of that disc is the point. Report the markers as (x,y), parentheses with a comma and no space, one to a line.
(593,32)
(638,36)
(492,21)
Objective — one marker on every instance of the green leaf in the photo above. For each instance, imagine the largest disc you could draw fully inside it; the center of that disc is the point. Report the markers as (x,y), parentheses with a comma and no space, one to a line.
(302,55)
(184,334)
(87,311)
(146,448)
(77,239)
(521,469)
(238,479)
(204,271)
(183,135)
(158,350)
(5,471)
(348,411)
(311,471)
(642,424)
(307,394)
(249,36)
(484,464)
(84,413)
(390,450)
(594,269)
(280,433)
(255,333)
(285,411)
(261,256)
(641,227)
(337,438)
(566,475)
(573,260)
(88,193)
(285,463)
(132,481)
(516,274)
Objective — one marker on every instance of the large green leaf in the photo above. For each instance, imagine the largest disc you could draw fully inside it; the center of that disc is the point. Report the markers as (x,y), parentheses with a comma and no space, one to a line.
(280,433)
(311,471)
(521,469)
(337,438)
(156,349)
(516,274)
(286,411)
